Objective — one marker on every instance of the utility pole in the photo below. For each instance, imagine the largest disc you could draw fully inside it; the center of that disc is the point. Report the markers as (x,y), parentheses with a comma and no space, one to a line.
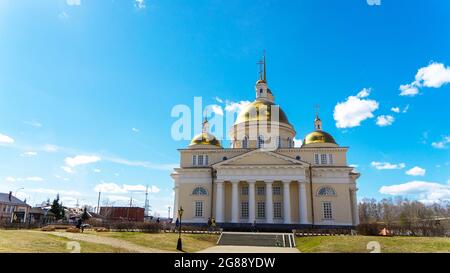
(169,213)
(147,206)
(98,202)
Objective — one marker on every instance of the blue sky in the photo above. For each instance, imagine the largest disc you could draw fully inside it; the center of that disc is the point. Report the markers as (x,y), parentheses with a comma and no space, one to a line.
(76,77)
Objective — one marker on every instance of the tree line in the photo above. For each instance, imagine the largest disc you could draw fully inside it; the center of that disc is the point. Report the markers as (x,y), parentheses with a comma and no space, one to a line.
(401,216)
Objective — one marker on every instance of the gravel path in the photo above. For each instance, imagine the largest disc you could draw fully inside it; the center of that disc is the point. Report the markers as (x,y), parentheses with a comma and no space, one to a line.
(108,241)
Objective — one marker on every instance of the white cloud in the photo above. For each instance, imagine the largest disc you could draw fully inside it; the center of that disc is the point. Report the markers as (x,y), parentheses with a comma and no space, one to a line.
(109,188)
(353,165)
(28,154)
(219,100)
(33,123)
(385,120)
(97,170)
(441,144)
(354,110)
(63,15)
(395,109)
(50,148)
(144,164)
(217,109)
(54,192)
(10,179)
(67,169)
(427,192)
(387,165)
(34,178)
(73,2)
(236,106)
(434,75)
(81,160)
(405,109)
(140,4)
(408,90)
(6,139)
(297,142)
(30,178)
(136,130)
(118,189)
(416,171)
(365,92)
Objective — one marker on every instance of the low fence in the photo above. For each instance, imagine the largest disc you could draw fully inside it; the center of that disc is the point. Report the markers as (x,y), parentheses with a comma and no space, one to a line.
(323,232)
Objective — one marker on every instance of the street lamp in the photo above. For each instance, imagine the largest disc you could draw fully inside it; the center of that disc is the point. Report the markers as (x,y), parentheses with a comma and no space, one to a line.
(179,244)
(15,194)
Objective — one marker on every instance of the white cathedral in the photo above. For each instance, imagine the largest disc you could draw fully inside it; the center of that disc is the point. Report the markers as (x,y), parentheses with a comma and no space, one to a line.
(269,183)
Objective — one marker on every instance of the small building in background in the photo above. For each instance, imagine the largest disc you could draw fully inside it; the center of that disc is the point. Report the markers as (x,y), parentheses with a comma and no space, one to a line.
(42,216)
(135,214)
(13,209)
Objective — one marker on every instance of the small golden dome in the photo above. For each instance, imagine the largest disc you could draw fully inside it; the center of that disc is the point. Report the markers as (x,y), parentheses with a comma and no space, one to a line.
(252,112)
(319,137)
(205,139)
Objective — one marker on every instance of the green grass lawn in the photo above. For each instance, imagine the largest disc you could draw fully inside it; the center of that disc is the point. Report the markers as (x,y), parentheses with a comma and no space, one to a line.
(165,241)
(23,241)
(348,244)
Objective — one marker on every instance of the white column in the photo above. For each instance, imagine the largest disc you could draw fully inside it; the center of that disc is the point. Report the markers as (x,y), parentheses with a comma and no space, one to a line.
(251,201)
(234,202)
(176,202)
(219,201)
(303,204)
(269,202)
(355,207)
(287,202)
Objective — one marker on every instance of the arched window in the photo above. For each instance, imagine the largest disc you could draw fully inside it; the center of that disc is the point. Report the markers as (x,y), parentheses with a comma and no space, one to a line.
(260,141)
(278,142)
(199,191)
(245,142)
(326,191)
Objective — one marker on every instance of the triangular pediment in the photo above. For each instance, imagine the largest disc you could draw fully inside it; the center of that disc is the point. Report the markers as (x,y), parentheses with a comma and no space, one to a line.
(260,157)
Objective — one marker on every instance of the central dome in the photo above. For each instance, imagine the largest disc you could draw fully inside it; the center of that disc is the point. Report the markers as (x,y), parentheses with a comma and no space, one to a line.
(260,110)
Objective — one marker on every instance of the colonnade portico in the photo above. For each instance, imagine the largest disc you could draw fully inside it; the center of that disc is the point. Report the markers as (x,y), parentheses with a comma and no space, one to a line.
(269,201)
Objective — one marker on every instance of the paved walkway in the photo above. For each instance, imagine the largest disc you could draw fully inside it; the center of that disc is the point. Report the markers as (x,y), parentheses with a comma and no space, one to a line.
(248,249)
(117,243)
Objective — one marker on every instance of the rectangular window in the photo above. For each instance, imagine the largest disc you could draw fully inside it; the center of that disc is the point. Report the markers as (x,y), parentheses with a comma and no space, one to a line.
(244,210)
(206,160)
(244,190)
(200,160)
(323,159)
(276,190)
(316,159)
(277,210)
(330,159)
(198,209)
(194,160)
(327,211)
(260,190)
(261,210)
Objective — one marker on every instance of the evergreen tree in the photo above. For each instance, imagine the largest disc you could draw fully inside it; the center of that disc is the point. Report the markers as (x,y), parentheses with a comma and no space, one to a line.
(85,215)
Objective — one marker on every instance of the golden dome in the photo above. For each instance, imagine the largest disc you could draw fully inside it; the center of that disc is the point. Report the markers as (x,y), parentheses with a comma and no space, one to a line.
(205,139)
(318,137)
(252,112)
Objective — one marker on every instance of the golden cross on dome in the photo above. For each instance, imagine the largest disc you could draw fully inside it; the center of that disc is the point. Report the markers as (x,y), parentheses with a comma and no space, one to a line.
(262,67)
(317,107)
